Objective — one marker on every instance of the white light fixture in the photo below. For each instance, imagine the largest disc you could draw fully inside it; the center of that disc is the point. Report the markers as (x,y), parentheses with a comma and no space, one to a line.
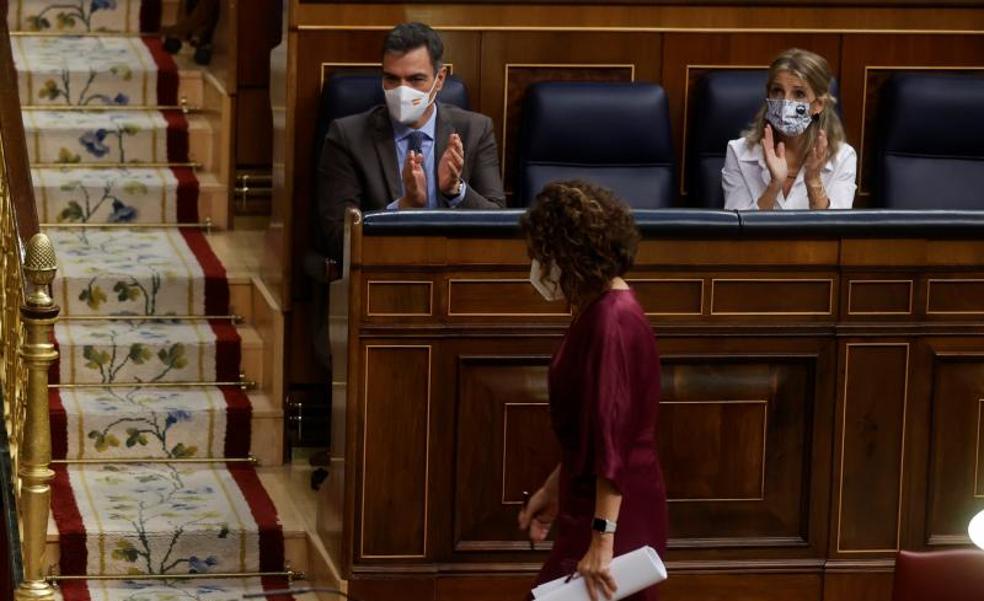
(976,530)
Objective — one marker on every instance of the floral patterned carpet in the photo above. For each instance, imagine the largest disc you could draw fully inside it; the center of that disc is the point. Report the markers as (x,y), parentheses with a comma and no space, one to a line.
(145,321)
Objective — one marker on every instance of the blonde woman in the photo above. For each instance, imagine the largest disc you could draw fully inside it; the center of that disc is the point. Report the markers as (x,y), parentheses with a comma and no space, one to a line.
(793,156)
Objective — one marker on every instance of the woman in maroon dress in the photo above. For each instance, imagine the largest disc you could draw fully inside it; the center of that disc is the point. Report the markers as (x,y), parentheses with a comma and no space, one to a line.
(607,495)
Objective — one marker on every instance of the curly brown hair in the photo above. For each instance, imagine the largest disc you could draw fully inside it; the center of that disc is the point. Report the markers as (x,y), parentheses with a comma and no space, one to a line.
(587,231)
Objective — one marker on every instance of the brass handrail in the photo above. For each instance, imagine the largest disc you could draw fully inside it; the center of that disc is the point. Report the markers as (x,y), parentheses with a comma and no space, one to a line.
(27,315)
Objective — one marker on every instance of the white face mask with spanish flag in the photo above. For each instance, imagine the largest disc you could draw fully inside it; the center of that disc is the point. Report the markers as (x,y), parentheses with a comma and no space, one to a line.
(407,105)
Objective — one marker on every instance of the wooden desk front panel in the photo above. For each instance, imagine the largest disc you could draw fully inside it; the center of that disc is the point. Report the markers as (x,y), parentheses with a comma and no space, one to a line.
(814,419)
(454,430)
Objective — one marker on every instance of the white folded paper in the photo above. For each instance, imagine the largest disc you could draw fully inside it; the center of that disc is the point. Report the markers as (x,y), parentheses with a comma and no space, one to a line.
(633,572)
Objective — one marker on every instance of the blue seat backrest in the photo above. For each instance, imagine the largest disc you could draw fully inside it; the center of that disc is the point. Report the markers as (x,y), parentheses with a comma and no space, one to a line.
(616,135)
(930,142)
(724,104)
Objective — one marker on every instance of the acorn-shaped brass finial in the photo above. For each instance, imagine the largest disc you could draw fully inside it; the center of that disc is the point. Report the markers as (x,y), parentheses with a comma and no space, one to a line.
(39,268)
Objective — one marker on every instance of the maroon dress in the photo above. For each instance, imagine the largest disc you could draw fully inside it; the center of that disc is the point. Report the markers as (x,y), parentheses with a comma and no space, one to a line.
(604,398)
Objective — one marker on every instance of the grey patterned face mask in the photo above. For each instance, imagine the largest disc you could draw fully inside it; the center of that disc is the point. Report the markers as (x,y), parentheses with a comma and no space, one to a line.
(788,116)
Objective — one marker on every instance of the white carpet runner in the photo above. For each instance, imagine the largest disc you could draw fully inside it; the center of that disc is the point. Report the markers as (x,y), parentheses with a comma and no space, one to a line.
(112,400)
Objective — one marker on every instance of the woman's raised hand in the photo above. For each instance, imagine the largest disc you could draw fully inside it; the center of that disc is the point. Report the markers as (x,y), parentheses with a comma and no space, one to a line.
(775,157)
(816,158)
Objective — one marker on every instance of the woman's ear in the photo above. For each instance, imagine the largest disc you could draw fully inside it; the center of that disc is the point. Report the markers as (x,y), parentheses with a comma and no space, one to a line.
(817,106)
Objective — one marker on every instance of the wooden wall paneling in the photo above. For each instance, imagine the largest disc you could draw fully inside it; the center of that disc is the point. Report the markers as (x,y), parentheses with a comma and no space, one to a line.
(774,296)
(743,587)
(879,296)
(869,60)
(669,295)
(697,15)
(484,588)
(688,56)
(512,61)
(399,298)
(477,295)
(394,477)
(493,394)
(870,435)
(504,446)
(955,296)
(956,447)
(258,32)
(254,128)
(867,585)
(739,426)
(403,587)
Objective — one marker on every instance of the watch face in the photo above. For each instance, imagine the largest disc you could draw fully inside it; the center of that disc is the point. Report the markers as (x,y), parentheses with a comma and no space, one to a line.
(602,525)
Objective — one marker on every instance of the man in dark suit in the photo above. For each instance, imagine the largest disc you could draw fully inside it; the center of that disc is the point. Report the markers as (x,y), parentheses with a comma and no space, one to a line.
(412,153)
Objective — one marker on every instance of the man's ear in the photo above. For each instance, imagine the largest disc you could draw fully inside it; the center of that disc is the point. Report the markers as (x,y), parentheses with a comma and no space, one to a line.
(441,76)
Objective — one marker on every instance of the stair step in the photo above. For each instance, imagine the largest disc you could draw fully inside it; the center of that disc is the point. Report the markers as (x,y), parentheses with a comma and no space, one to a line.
(149,271)
(225,589)
(165,518)
(292,526)
(141,195)
(160,423)
(121,195)
(175,416)
(101,70)
(113,138)
(101,352)
(59,16)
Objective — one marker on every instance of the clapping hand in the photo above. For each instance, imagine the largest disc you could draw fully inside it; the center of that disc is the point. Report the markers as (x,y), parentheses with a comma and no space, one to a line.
(816,158)
(414,182)
(775,157)
(450,167)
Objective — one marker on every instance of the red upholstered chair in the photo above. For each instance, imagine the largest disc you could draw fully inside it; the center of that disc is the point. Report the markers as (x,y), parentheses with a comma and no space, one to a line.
(956,575)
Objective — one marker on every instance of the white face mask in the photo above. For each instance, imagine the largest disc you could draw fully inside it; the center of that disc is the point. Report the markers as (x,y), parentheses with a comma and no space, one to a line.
(407,105)
(791,117)
(548,286)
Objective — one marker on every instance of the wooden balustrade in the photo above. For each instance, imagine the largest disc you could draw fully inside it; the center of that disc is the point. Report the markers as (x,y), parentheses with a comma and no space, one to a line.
(27,314)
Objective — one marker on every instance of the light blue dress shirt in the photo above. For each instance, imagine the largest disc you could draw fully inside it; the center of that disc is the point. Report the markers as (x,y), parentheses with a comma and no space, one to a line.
(401,135)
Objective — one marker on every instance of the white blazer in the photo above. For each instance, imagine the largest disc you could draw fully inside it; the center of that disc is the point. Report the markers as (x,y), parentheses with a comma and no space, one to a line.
(745,177)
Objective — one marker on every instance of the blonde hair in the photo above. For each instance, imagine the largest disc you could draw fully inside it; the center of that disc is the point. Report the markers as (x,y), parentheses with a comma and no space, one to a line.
(815,71)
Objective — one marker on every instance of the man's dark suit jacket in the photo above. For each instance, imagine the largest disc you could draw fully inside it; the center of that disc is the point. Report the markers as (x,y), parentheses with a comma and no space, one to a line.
(358,166)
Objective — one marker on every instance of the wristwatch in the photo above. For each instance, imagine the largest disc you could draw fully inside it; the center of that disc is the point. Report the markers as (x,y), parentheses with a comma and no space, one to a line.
(602,525)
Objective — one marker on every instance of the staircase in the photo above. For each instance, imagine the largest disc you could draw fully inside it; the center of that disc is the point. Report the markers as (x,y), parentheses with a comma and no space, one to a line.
(161,402)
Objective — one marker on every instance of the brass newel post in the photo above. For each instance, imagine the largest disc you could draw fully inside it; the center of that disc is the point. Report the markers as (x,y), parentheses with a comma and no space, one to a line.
(38,352)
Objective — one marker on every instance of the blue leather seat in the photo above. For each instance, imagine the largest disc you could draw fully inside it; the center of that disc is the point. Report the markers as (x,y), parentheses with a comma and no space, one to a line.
(724,103)
(616,135)
(930,146)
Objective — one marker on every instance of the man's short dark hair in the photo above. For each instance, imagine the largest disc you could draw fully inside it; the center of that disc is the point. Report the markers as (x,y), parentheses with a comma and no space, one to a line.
(409,36)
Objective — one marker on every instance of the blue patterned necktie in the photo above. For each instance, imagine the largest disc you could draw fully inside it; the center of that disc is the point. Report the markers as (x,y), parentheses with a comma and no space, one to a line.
(416,143)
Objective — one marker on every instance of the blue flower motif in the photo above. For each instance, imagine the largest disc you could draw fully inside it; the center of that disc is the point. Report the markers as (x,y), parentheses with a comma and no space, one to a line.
(122,213)
(121,98)
(197,565)
(102,5)
(177,415)
(93,142)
